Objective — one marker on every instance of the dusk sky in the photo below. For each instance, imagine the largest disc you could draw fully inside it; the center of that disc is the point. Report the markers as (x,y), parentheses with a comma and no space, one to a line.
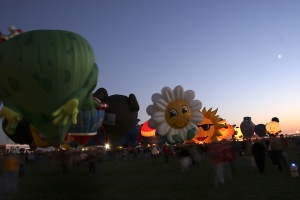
(242,57)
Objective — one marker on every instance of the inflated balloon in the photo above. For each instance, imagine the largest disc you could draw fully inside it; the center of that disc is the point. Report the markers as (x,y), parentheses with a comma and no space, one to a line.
(209,128)
(46,76)
(101,138)
(227,131)
(88,123)
(13,32)
(175,113)
(22,134)
(238,135)
(260,130)
(146,131)
(121,115)
(247,127)
(273,127)
(130,138)
(26,133)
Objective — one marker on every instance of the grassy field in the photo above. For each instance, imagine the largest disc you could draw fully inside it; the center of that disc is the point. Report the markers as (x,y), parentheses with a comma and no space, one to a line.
(148,179)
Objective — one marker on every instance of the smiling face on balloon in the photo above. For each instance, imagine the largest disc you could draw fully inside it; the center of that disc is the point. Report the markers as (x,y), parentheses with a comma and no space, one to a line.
(178,114)
(175,113)
(273,127)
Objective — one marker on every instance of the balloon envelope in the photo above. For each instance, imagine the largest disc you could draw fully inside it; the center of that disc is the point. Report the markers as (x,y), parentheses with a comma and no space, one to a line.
(87,125)
(41,71)
(22,134)
(260,130)
(146,131)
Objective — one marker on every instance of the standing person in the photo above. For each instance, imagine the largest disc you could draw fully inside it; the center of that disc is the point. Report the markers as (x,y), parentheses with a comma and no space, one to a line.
(166,152)
(185,159)
(92,163)
(248,153)
(10,173)
(259,151)
(65,161)
(216,156)
(154,152)
(22,158)
(276,148)
(285,145)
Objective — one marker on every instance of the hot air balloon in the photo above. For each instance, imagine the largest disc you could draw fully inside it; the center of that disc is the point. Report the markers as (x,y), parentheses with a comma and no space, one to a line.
(175,113)
(209,127)
(88,123)
(227,131)
(146,131)
(121,115)
(46,76)
(273,127)
(247,127)
(260,130)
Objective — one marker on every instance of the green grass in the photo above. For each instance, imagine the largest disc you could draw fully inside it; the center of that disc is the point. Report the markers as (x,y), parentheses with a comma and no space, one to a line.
(147,179)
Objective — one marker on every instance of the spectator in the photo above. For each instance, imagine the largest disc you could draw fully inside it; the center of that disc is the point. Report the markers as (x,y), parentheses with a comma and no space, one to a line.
(259,151)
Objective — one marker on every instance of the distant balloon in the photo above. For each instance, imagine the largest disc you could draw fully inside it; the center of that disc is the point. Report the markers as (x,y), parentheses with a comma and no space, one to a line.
(273,127)
(238,135)
(227,131)
(275,119)
(247,127)
(260,130)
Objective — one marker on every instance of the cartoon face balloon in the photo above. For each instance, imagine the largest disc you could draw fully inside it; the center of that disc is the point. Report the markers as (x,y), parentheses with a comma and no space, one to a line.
(209,128)
(273,127)
(175,113)
(47,76)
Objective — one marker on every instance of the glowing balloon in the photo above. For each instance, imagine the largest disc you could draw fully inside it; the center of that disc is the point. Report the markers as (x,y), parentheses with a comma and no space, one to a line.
(273,127)
(238,135)
(209,127)
(260,130)
(46,76)
(227,131)
(146,131)
(175,113)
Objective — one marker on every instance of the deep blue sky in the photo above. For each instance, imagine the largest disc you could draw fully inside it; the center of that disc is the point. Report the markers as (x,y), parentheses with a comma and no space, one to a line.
(242,57)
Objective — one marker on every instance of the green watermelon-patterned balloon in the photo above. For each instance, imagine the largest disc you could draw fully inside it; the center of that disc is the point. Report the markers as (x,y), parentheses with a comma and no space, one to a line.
(46,76)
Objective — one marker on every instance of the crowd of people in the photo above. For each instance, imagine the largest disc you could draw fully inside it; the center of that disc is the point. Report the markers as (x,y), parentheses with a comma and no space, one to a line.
(223,157)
